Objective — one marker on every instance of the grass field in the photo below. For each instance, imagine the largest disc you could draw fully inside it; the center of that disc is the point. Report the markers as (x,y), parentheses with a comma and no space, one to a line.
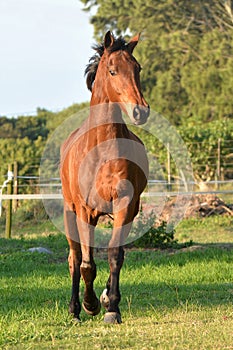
(172,299)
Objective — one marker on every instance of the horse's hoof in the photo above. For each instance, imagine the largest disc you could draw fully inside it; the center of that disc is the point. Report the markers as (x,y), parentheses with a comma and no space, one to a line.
(104,299)
(112,317)
(75,309)
(92,312)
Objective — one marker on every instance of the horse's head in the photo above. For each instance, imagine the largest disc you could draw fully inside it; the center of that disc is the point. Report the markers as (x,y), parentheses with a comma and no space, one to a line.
(117,78)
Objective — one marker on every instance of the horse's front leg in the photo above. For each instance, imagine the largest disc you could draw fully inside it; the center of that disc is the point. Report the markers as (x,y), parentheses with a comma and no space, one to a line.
(74,259)
(111,296)
(91,304)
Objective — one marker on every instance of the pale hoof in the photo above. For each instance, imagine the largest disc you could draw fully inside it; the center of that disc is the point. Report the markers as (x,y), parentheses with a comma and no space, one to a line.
(112,317)
(104,299)
(92,312)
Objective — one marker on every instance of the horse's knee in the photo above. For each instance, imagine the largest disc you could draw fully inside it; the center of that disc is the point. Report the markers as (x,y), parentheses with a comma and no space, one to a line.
(88,271)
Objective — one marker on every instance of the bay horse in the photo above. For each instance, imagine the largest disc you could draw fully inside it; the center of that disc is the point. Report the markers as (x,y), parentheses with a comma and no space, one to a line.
(104,169)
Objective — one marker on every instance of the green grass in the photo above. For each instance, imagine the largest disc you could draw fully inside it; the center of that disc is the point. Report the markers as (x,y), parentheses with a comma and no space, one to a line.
(174,299)
(214,229)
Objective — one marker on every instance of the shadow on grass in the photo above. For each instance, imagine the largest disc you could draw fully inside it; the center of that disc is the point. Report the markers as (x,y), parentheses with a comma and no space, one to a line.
(16,260)
(137,298)
(34,281)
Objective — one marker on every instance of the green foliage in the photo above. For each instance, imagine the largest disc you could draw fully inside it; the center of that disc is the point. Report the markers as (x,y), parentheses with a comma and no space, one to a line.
(202,142)
(32,211)
(57,118)
(161,236)
(207,80)
(26,152)
(21,127)
(23,139)
(157,237)
(41,125)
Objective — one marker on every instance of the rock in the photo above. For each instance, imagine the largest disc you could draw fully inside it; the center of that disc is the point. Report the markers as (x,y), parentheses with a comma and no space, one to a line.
(40,250)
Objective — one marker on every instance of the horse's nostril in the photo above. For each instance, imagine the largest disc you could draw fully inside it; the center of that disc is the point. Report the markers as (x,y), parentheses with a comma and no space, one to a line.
(141,113)
(136,113)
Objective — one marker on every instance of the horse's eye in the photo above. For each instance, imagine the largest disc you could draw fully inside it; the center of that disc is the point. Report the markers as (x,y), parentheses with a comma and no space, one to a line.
(112,72)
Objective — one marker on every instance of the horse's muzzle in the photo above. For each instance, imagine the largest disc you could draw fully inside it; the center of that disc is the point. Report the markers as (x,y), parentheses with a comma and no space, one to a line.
(140,114)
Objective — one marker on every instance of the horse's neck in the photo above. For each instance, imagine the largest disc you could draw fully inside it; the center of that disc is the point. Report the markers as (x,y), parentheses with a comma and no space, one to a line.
(107,121)
(103,112)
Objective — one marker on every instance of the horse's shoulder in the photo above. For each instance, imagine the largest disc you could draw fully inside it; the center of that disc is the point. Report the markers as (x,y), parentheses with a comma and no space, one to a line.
(69,141)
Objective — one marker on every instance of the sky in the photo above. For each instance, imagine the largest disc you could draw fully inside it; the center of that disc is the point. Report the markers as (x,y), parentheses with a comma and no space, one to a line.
(44,48)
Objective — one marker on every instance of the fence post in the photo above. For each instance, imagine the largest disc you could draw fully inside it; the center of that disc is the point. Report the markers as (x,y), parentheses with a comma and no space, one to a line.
(9,202)
(218,163)
(15,188)
(168,167)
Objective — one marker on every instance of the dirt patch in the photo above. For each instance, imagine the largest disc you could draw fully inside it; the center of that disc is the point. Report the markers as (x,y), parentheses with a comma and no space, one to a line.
(201,205)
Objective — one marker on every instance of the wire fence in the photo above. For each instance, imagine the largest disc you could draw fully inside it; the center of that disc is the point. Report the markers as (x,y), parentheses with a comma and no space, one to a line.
(52,190)
(215,162)
(154,188)
(219,181)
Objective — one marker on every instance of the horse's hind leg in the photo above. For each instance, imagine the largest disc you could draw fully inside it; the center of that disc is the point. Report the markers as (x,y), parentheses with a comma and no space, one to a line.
(91,304)
(74,259)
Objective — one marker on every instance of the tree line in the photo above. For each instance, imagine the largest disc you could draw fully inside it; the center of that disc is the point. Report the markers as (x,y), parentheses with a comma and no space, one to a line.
(23,139)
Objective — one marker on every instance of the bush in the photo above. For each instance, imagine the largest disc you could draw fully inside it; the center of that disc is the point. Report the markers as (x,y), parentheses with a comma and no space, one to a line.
(161,236)
(30,210)
(157,237)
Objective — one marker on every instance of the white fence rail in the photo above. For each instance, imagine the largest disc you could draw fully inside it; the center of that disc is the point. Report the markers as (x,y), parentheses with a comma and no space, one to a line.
(156,191)
(145,194)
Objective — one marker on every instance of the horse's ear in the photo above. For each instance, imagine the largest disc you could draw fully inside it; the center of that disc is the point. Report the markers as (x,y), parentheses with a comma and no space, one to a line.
(133,42)
(108,40)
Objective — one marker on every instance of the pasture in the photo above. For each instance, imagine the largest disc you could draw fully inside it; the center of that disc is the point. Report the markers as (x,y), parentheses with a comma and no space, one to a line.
(171,299)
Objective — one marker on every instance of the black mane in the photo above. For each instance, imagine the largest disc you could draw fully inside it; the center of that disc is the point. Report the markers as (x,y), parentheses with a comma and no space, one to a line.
(92,66)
